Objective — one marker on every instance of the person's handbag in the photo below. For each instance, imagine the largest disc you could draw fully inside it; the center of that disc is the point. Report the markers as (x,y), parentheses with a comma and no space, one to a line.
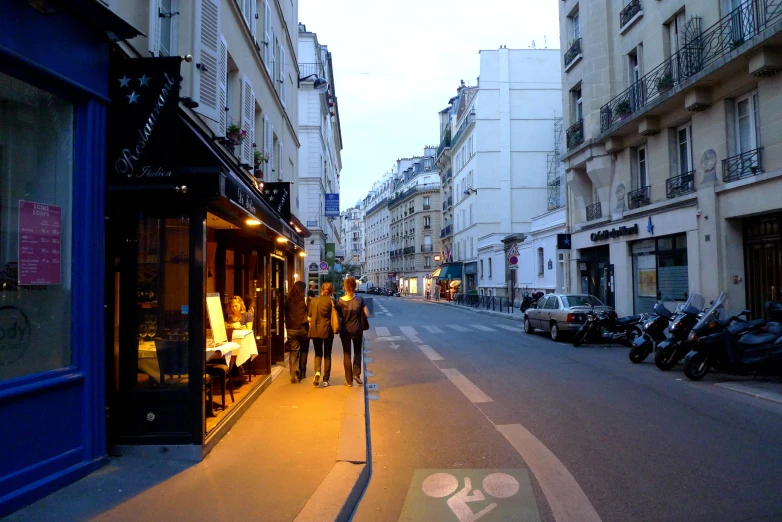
(364,319)
(335,319)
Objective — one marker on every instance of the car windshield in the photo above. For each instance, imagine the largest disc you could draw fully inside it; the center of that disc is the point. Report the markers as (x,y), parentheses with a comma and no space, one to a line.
(582,300)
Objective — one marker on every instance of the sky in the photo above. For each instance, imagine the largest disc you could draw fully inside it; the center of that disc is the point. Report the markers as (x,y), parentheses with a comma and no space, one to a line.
(396,65)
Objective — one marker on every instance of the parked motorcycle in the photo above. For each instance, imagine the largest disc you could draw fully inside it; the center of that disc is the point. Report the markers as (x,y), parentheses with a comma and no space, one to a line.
(670,351)
(653,329)
(606,326)
(530,299)
(734,345)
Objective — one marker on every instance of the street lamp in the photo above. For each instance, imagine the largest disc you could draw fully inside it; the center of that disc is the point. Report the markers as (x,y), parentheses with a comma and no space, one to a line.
(320,85)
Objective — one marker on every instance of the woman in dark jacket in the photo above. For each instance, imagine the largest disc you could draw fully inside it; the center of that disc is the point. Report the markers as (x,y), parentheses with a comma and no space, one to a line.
(321,333)
(350,307)
(297,326)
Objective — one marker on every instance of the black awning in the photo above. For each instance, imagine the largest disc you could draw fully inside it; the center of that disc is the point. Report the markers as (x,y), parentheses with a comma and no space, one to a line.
(96,15)
(453,271)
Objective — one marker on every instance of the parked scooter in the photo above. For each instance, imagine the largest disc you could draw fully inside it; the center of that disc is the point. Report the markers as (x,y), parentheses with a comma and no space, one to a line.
(606,326)
(653,329)
(530,299)
(671,351)
(734,345)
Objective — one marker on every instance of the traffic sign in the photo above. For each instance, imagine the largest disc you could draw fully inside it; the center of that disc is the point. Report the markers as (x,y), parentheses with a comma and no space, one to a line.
(513,260)
(513,250)
(324,267)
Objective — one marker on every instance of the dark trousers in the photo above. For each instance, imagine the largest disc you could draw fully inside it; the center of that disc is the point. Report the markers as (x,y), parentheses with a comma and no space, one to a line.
(323,349)
(303,343)
(352,368)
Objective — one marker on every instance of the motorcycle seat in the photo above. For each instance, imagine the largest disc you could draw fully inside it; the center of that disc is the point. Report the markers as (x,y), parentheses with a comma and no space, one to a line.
(771,332)
(629,319)
(738,327)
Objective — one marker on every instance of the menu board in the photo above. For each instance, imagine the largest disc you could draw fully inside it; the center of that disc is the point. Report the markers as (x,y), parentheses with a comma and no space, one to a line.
(40,228)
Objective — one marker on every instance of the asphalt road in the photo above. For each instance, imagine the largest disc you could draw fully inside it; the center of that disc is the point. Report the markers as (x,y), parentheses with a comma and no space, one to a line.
(463,395)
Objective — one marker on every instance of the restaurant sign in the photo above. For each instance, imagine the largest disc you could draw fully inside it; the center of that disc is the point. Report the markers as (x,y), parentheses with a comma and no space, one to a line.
(614,233)
(40,230)
(278,195)
(142,119)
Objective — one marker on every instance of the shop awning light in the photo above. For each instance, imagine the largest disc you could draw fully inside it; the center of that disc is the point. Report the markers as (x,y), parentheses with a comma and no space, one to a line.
(253,222)
(303,253)
(282,240)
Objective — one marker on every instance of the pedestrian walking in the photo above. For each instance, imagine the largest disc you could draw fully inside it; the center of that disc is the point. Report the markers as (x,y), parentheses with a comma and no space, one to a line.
(297,326)
(353,311)
(311,293)
(321,332)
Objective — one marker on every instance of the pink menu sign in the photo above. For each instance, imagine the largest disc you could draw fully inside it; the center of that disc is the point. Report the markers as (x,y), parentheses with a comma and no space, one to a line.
(40,228)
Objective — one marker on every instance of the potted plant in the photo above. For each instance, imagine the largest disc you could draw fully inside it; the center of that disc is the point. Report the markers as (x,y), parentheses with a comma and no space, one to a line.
(664,83)
(623,108)
(235,134)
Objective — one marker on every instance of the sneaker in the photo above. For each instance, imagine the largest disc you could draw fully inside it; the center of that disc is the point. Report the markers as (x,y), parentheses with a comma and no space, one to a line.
(316,380)
(325,384)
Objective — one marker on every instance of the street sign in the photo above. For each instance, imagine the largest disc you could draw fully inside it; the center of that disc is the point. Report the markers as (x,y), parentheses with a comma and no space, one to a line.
(513,260)
(314,267)
(513,250)
(332,205)
(324,267)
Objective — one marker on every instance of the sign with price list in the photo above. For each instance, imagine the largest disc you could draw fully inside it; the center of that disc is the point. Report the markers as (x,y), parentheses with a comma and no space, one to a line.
(40,228)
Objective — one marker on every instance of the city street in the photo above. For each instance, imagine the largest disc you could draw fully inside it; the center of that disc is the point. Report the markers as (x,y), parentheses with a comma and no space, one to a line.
(462,395)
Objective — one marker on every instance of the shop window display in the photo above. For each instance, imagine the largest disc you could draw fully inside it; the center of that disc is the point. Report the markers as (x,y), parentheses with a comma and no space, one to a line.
(36,191)
(659,269)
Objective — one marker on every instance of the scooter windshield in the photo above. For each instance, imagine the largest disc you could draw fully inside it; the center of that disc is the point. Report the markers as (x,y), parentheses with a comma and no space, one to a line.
(694,304)
(713,312)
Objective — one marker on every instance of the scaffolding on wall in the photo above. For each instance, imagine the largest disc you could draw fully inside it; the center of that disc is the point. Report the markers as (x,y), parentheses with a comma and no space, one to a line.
(553,172)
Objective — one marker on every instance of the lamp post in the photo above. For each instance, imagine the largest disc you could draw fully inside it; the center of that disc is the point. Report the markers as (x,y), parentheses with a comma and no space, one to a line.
(321,85)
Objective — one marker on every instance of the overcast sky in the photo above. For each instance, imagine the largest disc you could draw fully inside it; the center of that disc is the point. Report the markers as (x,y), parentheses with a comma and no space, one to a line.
(396,64)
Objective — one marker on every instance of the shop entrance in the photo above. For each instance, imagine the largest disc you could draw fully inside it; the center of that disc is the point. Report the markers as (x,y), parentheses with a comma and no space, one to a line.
(762,261)
(597,274)
(277,308)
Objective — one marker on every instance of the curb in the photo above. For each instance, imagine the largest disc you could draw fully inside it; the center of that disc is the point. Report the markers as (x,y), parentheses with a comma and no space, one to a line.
(751,391)
(338,494)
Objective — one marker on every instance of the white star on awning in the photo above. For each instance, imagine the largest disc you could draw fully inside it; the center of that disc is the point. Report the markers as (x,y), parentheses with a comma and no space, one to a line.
(133,97)
(124,81)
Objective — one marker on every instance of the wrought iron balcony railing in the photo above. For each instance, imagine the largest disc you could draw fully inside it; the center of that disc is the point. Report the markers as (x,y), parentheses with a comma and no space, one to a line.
(306,69)
(731,31)
(575,50)
(462,126)
(594,211)
(450,201)
(575,134)
(445,231)
(409,250)
(426,248)
(427,207)
(427,227)
(445,142)
(680,185)
(629,11)
(445,205)
(639,198)
(741,166)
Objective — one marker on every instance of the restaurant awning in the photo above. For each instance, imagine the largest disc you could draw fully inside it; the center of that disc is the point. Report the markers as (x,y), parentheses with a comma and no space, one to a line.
(436,273)
(450,272)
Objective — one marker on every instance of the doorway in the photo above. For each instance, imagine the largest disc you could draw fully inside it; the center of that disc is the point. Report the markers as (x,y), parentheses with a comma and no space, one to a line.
(597,273)
(762,261)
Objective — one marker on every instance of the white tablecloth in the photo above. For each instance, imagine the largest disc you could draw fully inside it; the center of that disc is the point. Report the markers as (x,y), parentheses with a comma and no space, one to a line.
(248,350)
(224,351)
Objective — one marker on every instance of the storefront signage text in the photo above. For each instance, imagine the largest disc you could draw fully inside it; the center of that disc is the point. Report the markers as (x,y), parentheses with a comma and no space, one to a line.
(245,200)
(614,233)
(40,229)
(15,333)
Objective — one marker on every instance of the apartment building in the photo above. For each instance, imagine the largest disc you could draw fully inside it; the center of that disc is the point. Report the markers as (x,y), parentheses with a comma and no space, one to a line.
(673,116)
(353,238)
(492,159)
(414,212)
(319,157)
(377,230)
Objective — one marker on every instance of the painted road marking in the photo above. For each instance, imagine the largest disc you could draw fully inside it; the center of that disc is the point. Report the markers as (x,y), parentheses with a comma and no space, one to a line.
(466,386)
(429,352)
(483,328)
(390,338)
(369,373)
(382,331)
(408,330)
(508,327)
(458,328)
(566,498)
(432,329)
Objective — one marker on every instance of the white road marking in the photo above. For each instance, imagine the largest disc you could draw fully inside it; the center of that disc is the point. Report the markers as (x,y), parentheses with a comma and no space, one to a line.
(408,330)
(507,327)
(458,328)
(483,328)
(382,331)
(432,329)
(566,498)
(466,386)
(390,338)
(429,352)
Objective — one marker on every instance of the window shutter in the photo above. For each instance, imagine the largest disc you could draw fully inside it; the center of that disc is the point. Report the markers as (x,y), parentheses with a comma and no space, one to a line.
(154,27)
(279,161)
(248,121)
(253,18)
(283,92)
(268,139)
(207,57)
(247,11)
(221,109)
(273,56)
(267,36)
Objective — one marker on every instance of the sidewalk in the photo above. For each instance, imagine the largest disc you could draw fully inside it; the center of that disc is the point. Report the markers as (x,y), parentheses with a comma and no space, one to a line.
(298,453)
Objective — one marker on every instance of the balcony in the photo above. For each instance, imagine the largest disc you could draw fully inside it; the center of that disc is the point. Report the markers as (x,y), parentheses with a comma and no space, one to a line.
(573,52)
(575,134)
(463,126)
(629,11)
(398,196)
(445,142)
(445,231)
(729,33)
(306,69)
(445,205)
(594,211)
(639,198)
(427,248)
(680,185)
(427,227)
(409,250)
(450,201)
(741,166)
(427,207)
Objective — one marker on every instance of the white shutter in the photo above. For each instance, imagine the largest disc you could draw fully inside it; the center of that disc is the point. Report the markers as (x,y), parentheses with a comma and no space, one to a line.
(248,121)
(207,57)
(273,64)
(267,37)
(247,11)
(221,108)
(154,27)
(282,75)
(253,17)
(279,161)
(268,139)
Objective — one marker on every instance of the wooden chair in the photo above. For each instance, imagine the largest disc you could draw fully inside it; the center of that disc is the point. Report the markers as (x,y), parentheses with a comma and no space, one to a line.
(220,372)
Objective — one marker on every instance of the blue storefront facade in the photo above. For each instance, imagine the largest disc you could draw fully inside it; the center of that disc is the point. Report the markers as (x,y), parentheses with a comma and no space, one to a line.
(54,59)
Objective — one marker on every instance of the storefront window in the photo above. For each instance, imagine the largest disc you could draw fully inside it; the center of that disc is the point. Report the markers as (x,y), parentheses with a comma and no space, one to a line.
(36,190)
(660,269)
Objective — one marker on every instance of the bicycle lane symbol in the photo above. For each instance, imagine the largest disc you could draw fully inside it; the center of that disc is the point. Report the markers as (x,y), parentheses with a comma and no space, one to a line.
(476,495)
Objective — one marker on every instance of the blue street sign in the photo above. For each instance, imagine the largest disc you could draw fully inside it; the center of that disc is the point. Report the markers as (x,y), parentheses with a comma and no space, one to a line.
(332,205)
